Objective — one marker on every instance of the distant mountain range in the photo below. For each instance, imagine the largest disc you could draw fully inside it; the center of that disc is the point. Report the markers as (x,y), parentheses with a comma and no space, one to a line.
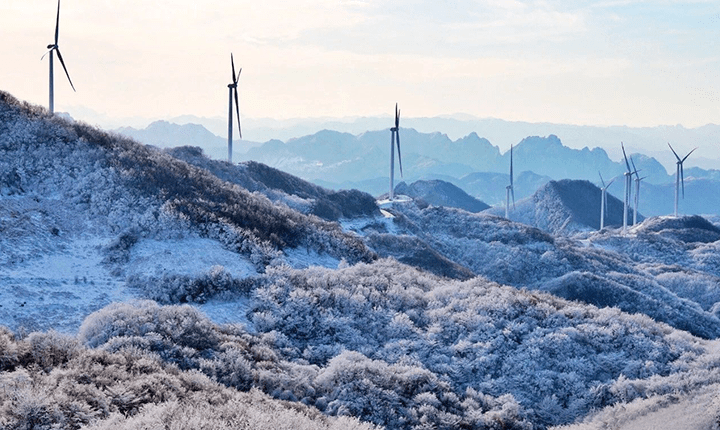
(164,134)
(345,161)
(648,140)
(342,157)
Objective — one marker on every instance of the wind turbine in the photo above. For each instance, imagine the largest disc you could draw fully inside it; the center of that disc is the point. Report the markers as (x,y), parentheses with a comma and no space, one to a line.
(679,176)
(628,188)
(232,90)
(51,48)
(394,133)
(510,188)
(603,199)
(637,190)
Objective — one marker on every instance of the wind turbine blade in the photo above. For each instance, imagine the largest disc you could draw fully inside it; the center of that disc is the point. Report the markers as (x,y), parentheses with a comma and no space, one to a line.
(48,51)
(397,115)
(611,181)
(626,159)
(398,147)
(237,110)
(683,160)
(671,148)
(57,24)
(635,170)
(238,75)
(512,191)
(602,181)
(65,68)
(232,62)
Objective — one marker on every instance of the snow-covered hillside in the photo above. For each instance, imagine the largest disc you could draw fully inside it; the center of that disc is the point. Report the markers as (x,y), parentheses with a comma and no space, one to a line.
(567,206)
(670,274)
(83,209)
(200,293)
(440,193)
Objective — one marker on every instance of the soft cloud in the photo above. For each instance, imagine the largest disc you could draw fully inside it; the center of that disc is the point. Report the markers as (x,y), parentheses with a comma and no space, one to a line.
(534,60)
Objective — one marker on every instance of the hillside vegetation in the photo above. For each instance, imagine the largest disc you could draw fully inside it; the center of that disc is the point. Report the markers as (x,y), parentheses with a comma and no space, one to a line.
(200,294)
(132,186)
(381,342)
(667,269)
(279,186)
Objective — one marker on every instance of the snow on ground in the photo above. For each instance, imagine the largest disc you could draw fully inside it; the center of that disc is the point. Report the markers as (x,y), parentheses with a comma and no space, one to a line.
(384,223)
(58,289)
(301,258)
(193,257)
(224,312)
(188,256)
(399,198)
(52,273)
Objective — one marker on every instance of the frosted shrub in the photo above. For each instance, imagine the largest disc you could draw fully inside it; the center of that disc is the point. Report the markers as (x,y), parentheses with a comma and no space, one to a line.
(9,352)
(51,349)
(231,366)
(181,325)
(355,385)
(246,411)
(173,288)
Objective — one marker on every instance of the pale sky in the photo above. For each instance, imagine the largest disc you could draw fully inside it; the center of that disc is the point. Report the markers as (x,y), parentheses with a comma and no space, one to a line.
(625,62)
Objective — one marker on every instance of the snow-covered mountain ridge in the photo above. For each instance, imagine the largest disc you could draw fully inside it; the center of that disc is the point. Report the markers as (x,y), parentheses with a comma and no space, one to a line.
(90,221)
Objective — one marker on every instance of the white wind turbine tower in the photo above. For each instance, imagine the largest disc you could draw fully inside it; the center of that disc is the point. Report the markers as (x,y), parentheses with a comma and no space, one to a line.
(603,199)
(510,189)
(394,134)
(679,176)
(637,190)
(51,48)
(232,90)
(628,187)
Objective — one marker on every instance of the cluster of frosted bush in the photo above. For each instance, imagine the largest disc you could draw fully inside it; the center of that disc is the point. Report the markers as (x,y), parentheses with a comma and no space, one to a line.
(175,288)
(51,381)
(618,272)
(399,395)
(397,347)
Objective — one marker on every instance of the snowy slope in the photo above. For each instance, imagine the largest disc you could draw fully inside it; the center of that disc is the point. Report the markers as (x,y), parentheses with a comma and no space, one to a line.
(441,193)
(567,206)
(281,187)
(83,211)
